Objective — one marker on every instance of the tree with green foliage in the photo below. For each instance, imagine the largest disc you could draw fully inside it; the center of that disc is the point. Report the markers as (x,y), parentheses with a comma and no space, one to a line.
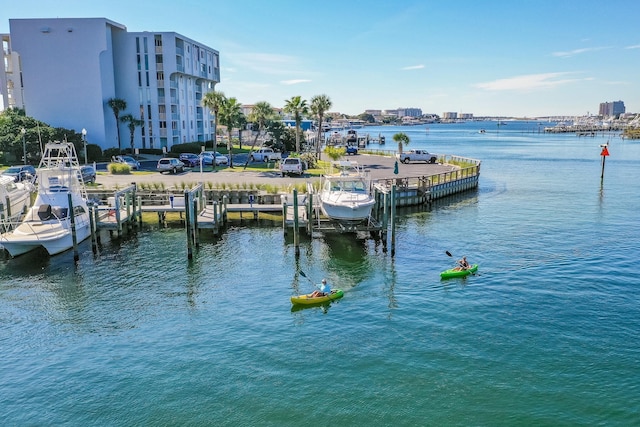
(366,117)
(132,123)
(214,101)
(402,139)
(296,107)
(230,116)
(261,113)
(117,105)
(320,104)
(13,120)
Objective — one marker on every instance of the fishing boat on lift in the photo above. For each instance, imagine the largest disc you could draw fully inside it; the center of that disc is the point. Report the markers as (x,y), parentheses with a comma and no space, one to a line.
(346,196)
(59,210)
(15,199)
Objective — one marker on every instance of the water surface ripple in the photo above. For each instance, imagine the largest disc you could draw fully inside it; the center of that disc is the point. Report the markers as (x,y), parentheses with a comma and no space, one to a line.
(544,334)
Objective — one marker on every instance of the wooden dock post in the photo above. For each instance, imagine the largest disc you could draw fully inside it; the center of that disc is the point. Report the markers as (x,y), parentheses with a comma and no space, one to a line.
(296,230)
(196,233)
(284,217)
(393,220)
(188,225)
(310,213)
(74,237)
(93,221)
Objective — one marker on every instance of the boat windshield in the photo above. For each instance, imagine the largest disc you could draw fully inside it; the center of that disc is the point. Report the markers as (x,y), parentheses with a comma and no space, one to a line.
(357,186)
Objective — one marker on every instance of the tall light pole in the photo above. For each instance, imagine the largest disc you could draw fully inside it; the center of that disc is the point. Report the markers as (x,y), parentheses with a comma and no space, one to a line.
(23,131)
(84,141)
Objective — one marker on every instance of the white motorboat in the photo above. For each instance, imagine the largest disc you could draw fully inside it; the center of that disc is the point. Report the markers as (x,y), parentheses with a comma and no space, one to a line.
(60,206)
(15,199)
(346,196)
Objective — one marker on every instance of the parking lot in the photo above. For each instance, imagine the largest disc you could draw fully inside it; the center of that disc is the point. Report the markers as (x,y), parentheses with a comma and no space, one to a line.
(380,167)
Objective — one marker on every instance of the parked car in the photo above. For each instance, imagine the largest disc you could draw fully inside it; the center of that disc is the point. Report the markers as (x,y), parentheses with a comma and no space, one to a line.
(133,163)
(265,154)
(21,173)
(190,160)
(88,174)
(292,166)
(417,156)
(208,156)
(349,149)
(170,164)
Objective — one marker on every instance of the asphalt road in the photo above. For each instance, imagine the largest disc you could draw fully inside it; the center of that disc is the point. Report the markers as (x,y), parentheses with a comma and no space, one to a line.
(379,167)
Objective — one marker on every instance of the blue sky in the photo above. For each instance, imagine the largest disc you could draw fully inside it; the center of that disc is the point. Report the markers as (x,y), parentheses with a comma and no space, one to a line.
(499,58)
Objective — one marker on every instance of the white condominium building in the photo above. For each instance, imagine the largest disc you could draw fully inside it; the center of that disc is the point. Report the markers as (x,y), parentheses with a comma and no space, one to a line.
(71,67)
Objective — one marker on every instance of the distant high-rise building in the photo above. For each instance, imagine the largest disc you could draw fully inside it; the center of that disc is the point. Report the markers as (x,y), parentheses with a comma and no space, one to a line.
(409,112)
(71,67)
(10,79)
(612,109)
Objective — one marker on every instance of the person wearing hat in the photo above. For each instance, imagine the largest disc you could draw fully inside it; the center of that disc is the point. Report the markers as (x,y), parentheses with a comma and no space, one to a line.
(325,289)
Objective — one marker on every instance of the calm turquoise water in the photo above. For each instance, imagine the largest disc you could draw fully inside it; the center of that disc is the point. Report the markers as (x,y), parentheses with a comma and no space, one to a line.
(546,334)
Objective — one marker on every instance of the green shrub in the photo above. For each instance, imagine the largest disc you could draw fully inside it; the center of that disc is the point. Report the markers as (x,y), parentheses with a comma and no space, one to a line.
(119,168)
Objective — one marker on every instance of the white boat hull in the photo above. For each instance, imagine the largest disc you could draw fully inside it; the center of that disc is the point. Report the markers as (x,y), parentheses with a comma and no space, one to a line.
(346,206)
(55,238)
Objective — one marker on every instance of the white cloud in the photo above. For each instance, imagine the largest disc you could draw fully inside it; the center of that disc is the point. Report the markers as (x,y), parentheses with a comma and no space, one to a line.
(635,46)
(263,62)
(414,67)
(576,51)
(295,81)
(529,82)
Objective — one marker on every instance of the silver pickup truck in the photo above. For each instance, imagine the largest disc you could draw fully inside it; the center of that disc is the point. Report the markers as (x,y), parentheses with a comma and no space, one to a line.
(417,156)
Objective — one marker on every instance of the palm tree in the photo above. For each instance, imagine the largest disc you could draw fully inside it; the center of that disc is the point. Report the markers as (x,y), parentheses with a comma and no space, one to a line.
(132,123)
(297,107)
(213,101)
(260,114)
(117,105)
(320,104)
(230,116)
(402,139)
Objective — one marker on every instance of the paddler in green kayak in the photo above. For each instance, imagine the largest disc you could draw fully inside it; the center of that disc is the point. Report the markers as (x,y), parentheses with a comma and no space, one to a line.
(463,264)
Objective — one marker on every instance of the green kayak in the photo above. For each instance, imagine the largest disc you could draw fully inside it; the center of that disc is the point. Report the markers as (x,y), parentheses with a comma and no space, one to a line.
(458,272)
